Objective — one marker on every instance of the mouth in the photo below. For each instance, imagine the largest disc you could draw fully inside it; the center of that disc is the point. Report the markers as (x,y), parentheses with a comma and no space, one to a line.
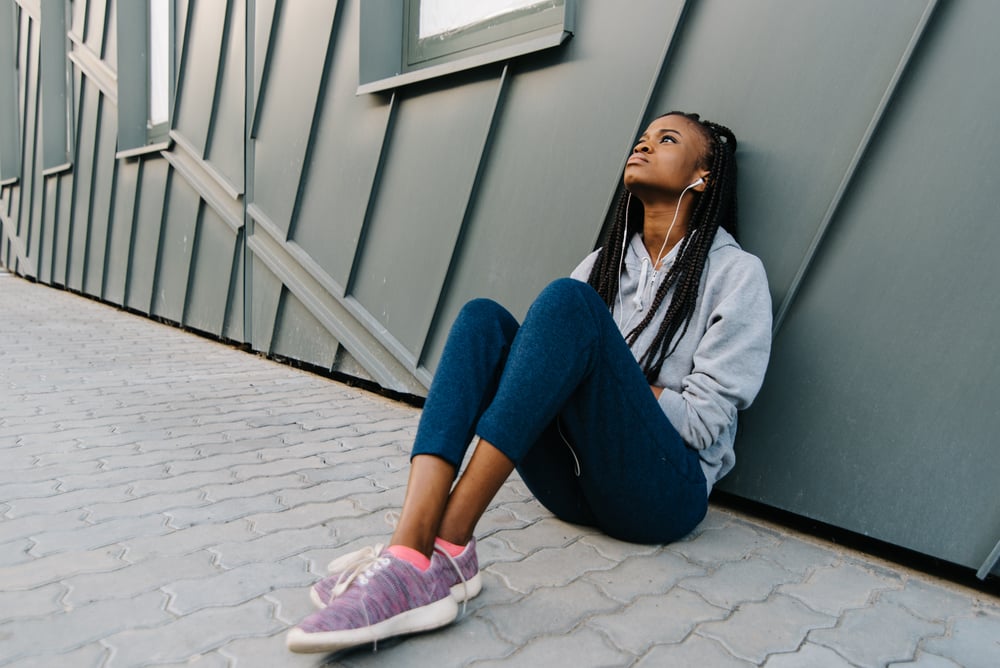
(636,159)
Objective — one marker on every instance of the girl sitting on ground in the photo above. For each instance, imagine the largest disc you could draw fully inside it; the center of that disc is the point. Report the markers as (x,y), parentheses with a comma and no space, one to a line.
(616,399)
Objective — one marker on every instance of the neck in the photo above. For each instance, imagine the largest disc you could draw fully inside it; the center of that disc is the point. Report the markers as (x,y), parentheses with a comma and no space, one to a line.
(663,227)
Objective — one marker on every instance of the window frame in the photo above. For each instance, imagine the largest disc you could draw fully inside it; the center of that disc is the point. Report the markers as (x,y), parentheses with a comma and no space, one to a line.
(392,53)
(10,116)
(136,134)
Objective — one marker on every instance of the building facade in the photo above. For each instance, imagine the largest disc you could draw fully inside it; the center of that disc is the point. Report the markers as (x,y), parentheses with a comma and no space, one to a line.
(222,165)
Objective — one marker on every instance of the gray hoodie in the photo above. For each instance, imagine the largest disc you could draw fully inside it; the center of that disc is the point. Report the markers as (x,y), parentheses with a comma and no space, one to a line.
(718,366)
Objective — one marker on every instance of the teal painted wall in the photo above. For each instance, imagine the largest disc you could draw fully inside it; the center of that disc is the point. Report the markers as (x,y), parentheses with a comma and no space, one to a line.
(347,230)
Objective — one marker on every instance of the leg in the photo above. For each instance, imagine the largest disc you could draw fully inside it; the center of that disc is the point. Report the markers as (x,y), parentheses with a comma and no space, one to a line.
(638,478)
(464,384)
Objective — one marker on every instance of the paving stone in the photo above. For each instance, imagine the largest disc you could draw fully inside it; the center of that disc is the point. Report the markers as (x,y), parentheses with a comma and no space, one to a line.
(98,535)
(15,552)
(292,604)
(146,505)
(55,634)
(221,511)
(497,519)
(327,492)
(59,502)
(755,630)
(278,467)
(89,656)
(715,546)
(50,569)
(738,582)
(31,603)
(808,656)
(660,619)
(26,527)
(101,479)
(877,635)
(467,641)
(798,556)
(547,567)
(184,541)
(547,610)
(262,652)
(929,601)
(926,660)
(547,532)
(137,578)
(837,588)
(208,660)
(694,651)
(609,547)
(232,587)
(273,546)
(202,480)
(555,650)
(191,635)
(643,574)
(306,515)
(974,641)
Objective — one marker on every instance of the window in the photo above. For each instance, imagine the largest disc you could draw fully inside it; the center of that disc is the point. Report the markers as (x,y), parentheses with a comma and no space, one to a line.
(414,40)
(10,140)
(55,84)
(145,75)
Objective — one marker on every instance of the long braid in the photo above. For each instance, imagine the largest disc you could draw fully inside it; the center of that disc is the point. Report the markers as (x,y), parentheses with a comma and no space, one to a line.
(715,207)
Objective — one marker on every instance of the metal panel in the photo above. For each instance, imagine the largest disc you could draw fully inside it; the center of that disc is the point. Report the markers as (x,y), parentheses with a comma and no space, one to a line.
(83,184)
(100,206)
(121,230)
(146,238)
(418,212)
(209,292)
(199,73)
(226,136)
(284,117)
(879,412)
(300,336)
(557,156)
(338,179)
(182,210)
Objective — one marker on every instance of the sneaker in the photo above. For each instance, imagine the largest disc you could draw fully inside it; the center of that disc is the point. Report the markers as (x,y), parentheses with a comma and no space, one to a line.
(384,597)
(466,581)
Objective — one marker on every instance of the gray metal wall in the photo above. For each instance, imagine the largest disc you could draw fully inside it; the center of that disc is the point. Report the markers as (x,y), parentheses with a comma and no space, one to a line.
(346,230)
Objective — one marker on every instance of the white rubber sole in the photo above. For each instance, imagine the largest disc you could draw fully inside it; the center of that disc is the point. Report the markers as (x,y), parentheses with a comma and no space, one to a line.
(425,618)
(460,593)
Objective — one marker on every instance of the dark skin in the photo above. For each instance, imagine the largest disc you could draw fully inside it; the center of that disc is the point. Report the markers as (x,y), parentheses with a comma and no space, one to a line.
(668,157)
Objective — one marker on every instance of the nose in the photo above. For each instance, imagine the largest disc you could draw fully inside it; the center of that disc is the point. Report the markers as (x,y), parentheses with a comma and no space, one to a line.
(641,147)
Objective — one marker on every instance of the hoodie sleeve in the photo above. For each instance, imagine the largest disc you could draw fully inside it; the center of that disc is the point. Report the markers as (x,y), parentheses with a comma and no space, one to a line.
(729,361)
(582,271)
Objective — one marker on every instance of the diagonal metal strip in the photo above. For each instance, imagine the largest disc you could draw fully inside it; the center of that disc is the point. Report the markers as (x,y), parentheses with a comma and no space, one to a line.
(350,332)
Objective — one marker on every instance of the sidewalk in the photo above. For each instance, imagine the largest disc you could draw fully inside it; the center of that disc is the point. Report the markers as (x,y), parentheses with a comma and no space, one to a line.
(168,500)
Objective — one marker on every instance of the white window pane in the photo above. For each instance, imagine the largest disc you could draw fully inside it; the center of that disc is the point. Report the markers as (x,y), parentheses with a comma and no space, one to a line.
(159,61)
(438,17)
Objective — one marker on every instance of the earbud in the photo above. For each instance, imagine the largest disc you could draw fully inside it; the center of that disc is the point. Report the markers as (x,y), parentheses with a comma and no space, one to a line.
(697,183)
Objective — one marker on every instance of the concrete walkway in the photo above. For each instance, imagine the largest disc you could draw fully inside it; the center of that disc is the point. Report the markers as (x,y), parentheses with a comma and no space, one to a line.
(168,500)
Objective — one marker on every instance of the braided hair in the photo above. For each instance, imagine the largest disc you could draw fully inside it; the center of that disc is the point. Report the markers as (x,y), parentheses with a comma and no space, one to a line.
(715,207)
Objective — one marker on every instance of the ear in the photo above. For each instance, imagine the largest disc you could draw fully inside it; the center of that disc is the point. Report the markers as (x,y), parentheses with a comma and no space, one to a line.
(706,178)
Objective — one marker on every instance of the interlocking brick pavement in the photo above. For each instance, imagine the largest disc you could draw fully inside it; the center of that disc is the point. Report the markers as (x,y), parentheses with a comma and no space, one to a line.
(167,500)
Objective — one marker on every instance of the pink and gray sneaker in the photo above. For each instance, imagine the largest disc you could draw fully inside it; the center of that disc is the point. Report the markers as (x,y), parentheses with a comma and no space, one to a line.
(466,581)
(384,597)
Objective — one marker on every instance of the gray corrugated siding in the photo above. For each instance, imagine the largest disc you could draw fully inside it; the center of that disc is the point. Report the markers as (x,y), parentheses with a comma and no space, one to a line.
(346,231)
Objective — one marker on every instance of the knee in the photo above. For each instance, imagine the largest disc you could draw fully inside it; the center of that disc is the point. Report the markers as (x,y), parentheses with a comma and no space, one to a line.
(564,297)
(480,313)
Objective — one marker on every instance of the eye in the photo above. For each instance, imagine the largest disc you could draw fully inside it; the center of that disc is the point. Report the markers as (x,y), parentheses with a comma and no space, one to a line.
(668,138)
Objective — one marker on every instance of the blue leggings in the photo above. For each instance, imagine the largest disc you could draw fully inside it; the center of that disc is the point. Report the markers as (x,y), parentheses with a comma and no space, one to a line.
(565,376)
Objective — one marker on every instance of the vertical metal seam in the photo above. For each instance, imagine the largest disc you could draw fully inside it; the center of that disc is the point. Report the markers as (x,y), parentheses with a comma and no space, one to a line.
(219,70)
(199,220)
(314,124)
(136,199)
(373,191)
(990,562)
(249,95)
(266,70)
(499,104)
(180,63)
(111,226)
(90,194)
(167,187)
(852,167)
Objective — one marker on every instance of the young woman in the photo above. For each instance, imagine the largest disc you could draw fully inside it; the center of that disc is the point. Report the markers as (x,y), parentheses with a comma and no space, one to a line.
(615,400)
